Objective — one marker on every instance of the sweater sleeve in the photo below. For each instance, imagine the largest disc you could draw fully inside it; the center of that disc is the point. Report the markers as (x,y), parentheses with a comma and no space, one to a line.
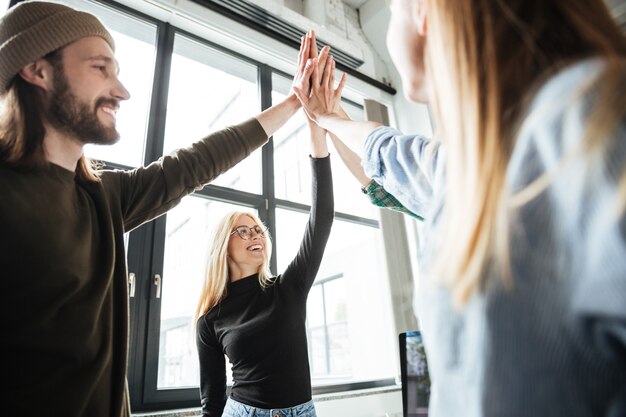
(147,192)
(212,371)
(408,166)
(303,268)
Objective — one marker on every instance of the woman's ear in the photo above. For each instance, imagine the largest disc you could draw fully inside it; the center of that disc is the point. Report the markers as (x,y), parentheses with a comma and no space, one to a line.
(421,20)
(39,73)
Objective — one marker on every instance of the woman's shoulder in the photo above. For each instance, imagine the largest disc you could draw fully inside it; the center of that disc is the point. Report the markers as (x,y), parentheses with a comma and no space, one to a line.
(563,160)
(571,90)
(556,121)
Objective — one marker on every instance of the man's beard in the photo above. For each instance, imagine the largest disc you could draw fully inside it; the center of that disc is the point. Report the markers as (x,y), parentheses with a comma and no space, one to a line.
(75,118)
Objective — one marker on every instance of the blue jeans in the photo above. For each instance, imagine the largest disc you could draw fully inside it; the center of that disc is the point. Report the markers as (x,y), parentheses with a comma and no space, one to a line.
(236,409)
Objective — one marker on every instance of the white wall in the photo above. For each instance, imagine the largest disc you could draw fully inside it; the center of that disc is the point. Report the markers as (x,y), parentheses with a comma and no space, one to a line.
(409,117)
(361,404)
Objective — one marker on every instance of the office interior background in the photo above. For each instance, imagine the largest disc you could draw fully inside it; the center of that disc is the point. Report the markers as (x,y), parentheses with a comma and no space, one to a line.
(194,66)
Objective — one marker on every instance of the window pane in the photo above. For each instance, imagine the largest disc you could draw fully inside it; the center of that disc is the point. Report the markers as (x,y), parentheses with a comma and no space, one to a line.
(292,168)
(315,307)
(208,91)
(359,329)
(355,111)
(339,350)
(335,292)
(189,226)
(329,295)
(135,51)
(317,352)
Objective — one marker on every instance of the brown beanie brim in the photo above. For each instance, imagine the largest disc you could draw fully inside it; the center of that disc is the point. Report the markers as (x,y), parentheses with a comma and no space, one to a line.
(31,30)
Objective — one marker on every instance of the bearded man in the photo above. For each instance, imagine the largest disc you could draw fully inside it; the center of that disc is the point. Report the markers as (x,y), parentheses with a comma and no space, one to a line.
(64,301)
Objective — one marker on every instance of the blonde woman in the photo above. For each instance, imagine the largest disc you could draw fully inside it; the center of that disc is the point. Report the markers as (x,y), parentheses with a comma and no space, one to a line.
(255,319)
(522,296)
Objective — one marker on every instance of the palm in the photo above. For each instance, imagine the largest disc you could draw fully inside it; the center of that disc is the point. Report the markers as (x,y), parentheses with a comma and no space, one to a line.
(323,98)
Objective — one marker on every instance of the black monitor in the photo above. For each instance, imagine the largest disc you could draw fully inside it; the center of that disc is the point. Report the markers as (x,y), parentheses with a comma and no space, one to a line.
(414,375)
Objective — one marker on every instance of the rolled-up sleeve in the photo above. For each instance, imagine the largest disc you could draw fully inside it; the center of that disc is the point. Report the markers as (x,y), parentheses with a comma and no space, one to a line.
(408,166)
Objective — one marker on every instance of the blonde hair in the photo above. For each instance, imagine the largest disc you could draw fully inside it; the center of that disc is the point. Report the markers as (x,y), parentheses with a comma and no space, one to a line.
(486,59)
(217,275)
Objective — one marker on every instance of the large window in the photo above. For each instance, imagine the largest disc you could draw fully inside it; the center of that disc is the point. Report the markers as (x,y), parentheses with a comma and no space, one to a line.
(208,90)
(135,50)
(188,229)
(345,309)
(182,88)
(348,310)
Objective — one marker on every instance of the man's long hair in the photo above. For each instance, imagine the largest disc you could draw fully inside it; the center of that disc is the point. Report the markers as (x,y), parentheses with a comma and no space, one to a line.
(22,112)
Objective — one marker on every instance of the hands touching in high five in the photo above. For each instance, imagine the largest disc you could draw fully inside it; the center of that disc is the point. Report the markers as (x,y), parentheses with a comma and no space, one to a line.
(276,116)
(314,84)
(307,85)
(314,87)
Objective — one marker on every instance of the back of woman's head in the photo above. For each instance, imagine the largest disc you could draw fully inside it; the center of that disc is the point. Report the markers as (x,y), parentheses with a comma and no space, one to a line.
(505,47)
(217,274)
(486,60)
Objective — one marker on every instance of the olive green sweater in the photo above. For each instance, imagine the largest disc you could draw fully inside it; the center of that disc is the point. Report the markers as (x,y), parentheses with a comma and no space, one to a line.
(64,301)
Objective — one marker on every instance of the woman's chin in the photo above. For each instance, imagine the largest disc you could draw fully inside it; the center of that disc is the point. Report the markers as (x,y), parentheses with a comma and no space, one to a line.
(416,94)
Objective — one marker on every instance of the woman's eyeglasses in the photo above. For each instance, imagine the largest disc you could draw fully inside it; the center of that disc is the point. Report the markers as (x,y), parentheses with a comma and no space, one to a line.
(245,232)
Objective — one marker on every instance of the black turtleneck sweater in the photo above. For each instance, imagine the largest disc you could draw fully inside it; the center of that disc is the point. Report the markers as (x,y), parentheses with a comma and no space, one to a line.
(262,330)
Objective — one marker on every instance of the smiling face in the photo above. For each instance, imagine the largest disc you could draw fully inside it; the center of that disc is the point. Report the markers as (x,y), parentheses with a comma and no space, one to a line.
(246,256)
(86,92)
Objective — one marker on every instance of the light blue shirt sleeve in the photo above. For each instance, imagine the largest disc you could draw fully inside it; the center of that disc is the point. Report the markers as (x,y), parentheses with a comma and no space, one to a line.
(408,166)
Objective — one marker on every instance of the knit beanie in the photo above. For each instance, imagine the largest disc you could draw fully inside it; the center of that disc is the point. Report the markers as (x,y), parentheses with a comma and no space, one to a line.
(32,29)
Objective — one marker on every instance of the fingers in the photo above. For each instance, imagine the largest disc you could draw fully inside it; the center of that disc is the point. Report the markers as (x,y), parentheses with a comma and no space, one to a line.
(303,53)
(300,55)
(302,49)
(315,78)
(309,69)
(331,78)
(313,47)
(331,82)
(328,74)
(306,47)
(342,83)
(321,63)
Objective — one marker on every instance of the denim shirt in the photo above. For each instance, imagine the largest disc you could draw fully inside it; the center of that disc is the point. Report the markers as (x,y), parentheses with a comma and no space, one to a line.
(394,161)
(555,343)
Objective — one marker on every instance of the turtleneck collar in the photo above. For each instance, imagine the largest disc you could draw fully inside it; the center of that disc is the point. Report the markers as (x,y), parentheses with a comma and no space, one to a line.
(244,285)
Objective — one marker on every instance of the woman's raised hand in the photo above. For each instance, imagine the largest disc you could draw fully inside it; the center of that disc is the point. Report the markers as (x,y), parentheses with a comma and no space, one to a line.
(308,51)
(321,98)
